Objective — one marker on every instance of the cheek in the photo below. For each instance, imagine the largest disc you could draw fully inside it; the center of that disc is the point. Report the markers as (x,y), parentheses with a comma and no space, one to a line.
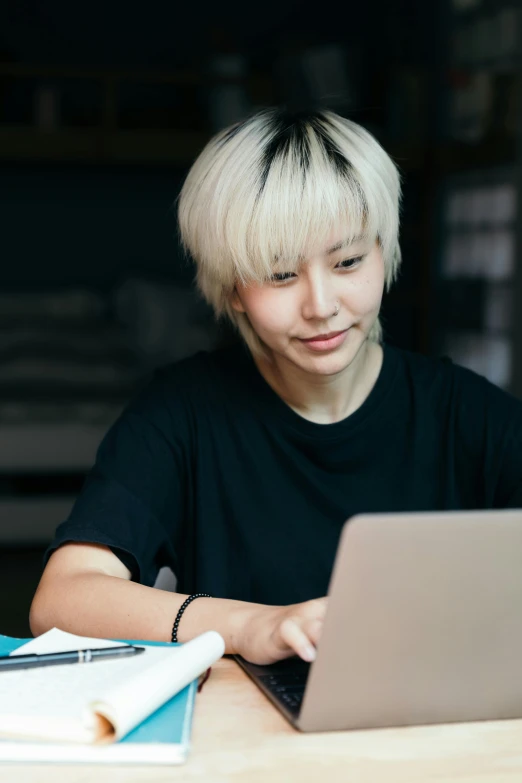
(371,289)
(375,291)
(366,295)
(265,314)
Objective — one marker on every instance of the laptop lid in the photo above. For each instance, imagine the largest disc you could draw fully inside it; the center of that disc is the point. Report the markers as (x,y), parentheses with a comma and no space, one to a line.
(424,623)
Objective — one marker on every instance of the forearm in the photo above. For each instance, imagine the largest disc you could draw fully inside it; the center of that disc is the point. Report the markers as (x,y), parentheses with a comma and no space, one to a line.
(102,606)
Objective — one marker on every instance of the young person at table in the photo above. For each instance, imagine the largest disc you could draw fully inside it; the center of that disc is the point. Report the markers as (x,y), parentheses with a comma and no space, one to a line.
(238,467)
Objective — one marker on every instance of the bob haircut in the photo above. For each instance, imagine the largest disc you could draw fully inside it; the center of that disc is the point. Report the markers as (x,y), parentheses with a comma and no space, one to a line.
(267,189)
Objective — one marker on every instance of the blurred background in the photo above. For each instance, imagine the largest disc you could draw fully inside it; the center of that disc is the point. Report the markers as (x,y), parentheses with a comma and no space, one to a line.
(104,107)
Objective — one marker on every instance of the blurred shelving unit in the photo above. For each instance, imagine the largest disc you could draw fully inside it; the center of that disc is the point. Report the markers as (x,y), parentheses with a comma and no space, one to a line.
(63,116)
(478,276)
(41,118)
(111,133)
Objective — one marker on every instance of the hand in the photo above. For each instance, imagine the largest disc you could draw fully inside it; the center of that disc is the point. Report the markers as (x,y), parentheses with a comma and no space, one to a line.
(272,633)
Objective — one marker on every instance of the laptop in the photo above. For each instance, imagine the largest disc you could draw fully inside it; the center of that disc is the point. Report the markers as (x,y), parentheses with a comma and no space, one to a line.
(424,625)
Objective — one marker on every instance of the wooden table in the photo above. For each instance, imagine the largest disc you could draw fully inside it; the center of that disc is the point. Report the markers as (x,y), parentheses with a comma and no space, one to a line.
(239,737)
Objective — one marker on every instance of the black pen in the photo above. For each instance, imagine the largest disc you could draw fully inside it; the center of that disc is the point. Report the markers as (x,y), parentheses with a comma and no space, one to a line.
(10,662)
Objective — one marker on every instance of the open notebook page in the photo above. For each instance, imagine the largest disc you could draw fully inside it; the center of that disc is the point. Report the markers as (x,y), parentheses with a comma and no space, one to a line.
(61,702)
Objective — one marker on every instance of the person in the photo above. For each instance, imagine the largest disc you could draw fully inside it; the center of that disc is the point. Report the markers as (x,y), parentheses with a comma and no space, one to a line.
(238,467)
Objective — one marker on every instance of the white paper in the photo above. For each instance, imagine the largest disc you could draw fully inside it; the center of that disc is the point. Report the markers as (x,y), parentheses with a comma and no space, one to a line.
(61,641)
(158,683)
(60,702)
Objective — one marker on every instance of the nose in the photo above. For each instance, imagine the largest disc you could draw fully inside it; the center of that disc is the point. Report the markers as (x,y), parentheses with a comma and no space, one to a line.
(319,299)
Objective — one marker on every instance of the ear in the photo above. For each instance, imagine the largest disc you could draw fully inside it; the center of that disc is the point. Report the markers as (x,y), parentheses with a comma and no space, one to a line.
(236,302)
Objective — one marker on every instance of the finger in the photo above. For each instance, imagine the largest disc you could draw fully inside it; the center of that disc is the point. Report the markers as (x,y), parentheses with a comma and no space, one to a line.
(294,636)
(314,630)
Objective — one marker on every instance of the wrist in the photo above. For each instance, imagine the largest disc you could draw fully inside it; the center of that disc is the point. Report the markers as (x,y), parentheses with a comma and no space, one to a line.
(243,619)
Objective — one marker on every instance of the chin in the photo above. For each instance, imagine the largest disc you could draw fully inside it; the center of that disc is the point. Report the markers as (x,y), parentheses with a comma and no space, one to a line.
(328,363)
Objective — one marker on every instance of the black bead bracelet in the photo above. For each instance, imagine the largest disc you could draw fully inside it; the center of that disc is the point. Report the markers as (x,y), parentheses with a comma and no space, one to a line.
(182,609)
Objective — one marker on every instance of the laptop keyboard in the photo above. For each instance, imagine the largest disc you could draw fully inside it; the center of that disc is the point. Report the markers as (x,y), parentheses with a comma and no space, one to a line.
(287,687)
(284,681)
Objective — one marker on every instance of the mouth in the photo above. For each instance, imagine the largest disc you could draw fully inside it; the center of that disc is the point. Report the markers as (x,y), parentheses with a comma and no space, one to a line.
(325,342)
(323,337)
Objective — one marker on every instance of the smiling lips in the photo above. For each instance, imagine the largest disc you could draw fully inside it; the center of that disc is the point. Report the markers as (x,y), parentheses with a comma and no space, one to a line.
(323,336)
(325,342)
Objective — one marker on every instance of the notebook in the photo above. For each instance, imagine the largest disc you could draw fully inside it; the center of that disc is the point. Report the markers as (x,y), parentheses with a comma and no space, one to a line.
(137,710)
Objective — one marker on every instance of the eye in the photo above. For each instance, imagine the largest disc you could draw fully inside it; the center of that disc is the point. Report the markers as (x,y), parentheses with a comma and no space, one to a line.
(350,263)
(281,277)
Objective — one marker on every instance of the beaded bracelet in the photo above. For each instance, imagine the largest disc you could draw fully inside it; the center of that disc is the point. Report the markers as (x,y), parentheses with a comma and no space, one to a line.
(182,609)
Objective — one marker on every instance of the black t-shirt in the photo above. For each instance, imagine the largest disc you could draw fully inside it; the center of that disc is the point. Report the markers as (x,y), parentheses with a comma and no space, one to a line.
(209,472)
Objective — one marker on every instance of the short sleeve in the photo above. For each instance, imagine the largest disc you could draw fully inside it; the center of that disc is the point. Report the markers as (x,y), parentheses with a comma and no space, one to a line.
(133,499)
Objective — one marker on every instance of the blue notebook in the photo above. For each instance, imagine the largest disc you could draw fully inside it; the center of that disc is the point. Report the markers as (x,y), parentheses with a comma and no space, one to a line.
(164,738)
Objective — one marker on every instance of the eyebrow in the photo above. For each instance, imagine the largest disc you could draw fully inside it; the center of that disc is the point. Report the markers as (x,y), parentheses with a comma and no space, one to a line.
(345,243)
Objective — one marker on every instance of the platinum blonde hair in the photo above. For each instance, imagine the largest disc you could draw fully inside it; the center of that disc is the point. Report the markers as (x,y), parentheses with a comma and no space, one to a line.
(268,188)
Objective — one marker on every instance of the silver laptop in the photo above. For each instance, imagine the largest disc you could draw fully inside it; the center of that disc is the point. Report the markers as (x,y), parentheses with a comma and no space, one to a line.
(424,625)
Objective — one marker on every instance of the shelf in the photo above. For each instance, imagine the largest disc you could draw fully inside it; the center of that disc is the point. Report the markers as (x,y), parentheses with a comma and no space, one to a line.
(186,76)
(47,448)
(96,145)
(459,157)
(32,521)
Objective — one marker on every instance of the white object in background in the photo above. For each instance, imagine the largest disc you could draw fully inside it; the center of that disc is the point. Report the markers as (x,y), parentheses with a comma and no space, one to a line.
(465,206)
(480,243)
(462,348)
(504,203)
(463,255)
(451,256)
(500,265)
(498,308)
(455,204)
(486,355)
(480,206)
(498,361)
(166,580)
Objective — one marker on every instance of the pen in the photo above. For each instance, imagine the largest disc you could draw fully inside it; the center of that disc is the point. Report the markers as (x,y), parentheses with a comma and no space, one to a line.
(10,662)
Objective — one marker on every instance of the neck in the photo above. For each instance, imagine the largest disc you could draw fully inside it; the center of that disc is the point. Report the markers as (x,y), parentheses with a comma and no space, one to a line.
(324,399)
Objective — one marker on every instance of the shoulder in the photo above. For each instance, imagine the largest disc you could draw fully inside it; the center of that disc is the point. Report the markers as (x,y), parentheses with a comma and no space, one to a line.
(439,370)
(422,368)
(185,381)
(166,409)
(431,378)
(454,386)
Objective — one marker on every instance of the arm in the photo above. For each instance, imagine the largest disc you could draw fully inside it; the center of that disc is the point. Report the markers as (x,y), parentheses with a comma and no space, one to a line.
(85,589)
